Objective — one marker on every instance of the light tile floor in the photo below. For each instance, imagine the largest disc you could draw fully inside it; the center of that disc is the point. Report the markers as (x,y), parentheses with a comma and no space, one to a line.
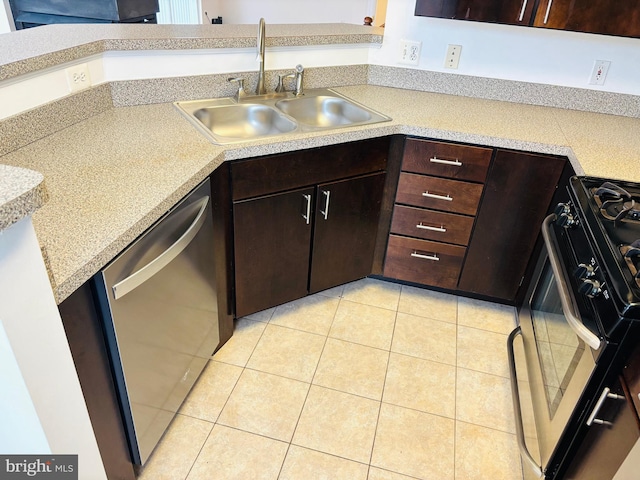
(369,381)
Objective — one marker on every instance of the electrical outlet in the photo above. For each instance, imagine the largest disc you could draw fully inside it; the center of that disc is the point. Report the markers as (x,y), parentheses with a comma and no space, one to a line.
(78,77)
(599,72)
(453,56)
(409,52)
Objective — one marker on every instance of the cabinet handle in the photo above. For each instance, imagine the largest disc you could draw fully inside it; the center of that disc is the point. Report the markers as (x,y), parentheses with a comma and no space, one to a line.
(307,215)
(433,229)
(524,7)
(448,198)
(456,162)
(433,257)
(325,212)
(546,15)
(606,393)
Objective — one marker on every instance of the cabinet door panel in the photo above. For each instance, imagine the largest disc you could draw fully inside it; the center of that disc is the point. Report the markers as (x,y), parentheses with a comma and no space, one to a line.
(272,244)
(517,195)
(344,239)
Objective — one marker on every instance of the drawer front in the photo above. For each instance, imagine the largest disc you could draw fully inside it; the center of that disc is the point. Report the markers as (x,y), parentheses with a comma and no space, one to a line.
(422,261)
(439,193)
(431,225)
(448,160)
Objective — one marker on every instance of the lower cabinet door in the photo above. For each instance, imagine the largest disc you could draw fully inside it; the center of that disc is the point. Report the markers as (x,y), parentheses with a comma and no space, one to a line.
(346,225)
(422,261)
(272,247)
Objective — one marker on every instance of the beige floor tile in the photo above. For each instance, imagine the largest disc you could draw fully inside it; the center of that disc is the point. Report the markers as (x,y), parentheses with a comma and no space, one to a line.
(483,453)
(485,400)
(483,351)
(425,338)
(364,324)
(335,292)
(427,303)
(337,423)
(265,404)
(312,314)
(173,457)
(211,391)
(287,352)
(380,474)
(421,384)
(231,454)
(414,443)
(486,315)
(352,368)
(262,316)
(304,464)
(371,291)
(239,347)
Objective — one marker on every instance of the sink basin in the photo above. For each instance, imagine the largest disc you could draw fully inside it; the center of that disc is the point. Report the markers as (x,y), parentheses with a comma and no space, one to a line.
(228,121)
(243,121)
(324,111)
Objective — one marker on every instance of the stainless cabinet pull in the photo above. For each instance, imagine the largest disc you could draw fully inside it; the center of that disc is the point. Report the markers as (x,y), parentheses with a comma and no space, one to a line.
(133,281)
(606,393)
(434,229)
(546,15)
(433,257)
(325,212)
(517,410)
(456,162)
(524,7)
(573,320)
(307,215)
(448,198)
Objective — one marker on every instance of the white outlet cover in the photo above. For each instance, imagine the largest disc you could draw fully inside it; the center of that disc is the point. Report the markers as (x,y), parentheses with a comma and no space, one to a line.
(452,57)
(409,52)
(599,72)
(78,77)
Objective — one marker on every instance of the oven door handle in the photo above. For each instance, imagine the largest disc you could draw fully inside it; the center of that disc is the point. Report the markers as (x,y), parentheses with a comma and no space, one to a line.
(515,395)
(565,297)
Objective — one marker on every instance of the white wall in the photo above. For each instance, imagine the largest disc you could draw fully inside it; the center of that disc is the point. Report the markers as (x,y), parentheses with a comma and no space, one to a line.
(289,11)
(39,345)
(512,52)
(6,19)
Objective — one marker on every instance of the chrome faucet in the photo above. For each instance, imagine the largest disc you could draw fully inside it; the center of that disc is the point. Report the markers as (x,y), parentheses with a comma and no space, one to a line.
(260,88)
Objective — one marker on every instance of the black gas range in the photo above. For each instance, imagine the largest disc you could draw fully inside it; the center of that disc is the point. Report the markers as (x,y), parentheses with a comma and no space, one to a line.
(578,323)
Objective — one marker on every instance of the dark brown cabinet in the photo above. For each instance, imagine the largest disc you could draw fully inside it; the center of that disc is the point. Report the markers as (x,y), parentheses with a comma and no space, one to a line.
(305,221)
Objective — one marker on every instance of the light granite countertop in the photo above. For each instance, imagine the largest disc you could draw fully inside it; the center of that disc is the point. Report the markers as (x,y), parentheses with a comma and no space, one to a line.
(22,192)
(112,176)
(33,49)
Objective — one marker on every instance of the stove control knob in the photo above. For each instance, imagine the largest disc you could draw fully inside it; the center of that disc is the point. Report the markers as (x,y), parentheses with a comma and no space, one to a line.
(566,220)
(584,271)
(562,208)
(590,288)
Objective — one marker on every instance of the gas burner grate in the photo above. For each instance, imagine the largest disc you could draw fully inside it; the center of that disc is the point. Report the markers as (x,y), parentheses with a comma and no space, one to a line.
(631,255)
(616,203)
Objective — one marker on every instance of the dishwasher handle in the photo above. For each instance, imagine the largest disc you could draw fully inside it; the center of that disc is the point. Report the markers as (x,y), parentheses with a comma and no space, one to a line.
(132,282)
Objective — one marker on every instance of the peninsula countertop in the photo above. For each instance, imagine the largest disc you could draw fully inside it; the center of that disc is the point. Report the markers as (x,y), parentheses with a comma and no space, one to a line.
(113,175)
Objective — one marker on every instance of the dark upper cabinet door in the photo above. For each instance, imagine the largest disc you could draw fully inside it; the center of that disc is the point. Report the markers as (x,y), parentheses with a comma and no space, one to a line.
(517,196)
(513,12)
(272,247)
(346,224)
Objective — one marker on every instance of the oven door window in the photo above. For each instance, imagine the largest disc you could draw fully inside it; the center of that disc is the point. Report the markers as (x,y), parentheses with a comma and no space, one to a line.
(559,348)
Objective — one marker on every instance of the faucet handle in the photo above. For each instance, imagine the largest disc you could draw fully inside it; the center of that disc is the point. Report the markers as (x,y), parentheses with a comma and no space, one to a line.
(241,91)
(281,76)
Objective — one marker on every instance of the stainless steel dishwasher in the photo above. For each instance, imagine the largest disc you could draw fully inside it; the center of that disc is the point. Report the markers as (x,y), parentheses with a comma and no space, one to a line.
(159,304)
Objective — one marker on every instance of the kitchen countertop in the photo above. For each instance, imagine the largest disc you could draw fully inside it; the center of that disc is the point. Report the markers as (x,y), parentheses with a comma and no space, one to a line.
(111,176)
(22,192)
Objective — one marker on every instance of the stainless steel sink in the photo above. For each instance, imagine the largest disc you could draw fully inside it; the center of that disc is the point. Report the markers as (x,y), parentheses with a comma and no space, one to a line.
(324,111)
(229,121)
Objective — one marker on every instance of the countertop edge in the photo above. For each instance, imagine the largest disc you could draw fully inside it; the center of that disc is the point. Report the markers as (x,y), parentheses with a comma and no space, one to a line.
(22,192)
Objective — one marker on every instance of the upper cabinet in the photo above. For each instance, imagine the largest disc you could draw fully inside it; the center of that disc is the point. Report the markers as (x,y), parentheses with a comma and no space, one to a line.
(591,16)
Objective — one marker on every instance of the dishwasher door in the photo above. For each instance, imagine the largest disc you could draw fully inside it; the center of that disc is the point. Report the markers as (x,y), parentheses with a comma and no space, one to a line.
(159,303)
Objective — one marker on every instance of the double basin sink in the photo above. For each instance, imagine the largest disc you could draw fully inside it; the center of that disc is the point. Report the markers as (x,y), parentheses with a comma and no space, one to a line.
(228,121)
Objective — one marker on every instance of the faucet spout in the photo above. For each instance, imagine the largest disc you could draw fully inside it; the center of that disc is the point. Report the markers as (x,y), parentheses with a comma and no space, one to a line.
(260,88)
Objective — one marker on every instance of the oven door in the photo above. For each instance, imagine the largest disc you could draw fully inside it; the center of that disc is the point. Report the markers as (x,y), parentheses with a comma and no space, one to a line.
(553,360)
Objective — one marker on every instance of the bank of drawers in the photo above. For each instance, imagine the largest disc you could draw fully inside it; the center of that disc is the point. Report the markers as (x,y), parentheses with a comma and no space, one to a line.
(439,191)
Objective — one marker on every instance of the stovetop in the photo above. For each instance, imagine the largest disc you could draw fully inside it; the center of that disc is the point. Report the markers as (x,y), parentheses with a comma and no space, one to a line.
(611,210)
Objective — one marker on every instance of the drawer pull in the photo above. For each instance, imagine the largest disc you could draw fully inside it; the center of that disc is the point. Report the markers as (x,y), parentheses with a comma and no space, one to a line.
(456,162)
(433,229)
(448,198)
(433,257)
